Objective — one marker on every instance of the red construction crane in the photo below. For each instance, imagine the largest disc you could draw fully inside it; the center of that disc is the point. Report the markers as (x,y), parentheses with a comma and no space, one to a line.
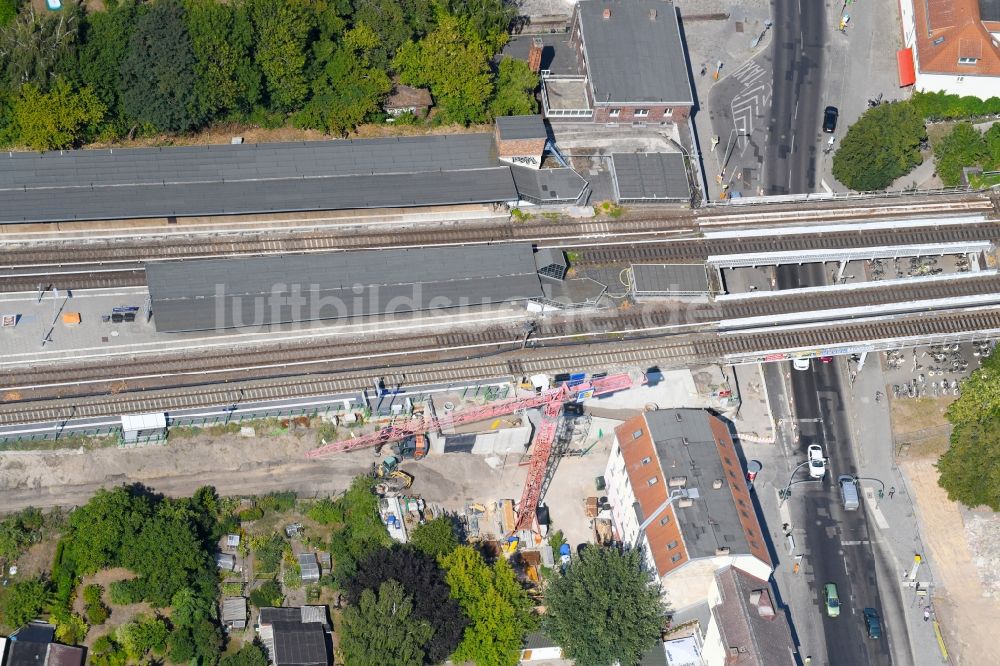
(541,447)
(397,432)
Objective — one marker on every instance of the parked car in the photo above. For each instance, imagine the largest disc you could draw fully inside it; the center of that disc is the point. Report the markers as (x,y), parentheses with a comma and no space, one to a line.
(830,116)
(832,600)
(817,463)
(872,623)
(800,363)
(826,359)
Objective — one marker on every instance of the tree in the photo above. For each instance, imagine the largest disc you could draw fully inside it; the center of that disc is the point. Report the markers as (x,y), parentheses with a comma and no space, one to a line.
(143,635)
(604,609)
(107,37)
(250,654)
(381,630)
(8,11)
(349,89)
(964,146)
(362,531)
(36,47)
(435,537)
(515,89)
(281,33)
(490,18)
(882,146)
(386,19)
(498,608)
(969,469)
(992,138)
(158,79)
(57,119)
(423,581)
(268,594)
(189,608)
(453,60)
(23,601)
(222,40)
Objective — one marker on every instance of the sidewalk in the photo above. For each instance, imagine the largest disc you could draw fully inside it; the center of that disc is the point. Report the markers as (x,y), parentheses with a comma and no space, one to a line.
(893,520)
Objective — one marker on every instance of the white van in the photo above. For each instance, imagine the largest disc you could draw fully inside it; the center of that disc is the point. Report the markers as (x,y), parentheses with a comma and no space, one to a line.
(849,492)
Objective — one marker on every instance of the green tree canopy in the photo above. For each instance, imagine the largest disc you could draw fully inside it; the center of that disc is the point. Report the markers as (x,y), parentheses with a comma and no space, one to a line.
(882,146)
(515,89)
(23,601)
(970,469)
(281,34)
(60,118)
(107,39)
(349,89)
(604,609)
(227,78)
(382,630)
(251,654)
(423,581)
(158,80)
(362,531)
(453,60)
(8,11)
(436,537)
(964,146)
(499,610)
(36,47)
(143,635)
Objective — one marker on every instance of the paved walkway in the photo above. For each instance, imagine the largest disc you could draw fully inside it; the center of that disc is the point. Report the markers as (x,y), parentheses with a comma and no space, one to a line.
(893,520)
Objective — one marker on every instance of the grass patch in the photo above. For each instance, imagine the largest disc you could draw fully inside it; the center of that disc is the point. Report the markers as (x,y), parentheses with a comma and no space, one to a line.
(984,181)
(64,443)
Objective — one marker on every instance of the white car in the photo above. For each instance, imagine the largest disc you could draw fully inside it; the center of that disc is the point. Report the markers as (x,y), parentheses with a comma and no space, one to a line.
(817,463)
(800,363)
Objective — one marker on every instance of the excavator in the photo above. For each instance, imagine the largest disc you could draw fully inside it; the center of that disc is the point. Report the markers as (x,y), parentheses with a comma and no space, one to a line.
(389,478)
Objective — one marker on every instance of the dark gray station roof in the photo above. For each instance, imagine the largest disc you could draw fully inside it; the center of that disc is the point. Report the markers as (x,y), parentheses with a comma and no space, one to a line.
(636,54)
(212,294)
(649,177)
(521,127)
(669,279)
(265,178)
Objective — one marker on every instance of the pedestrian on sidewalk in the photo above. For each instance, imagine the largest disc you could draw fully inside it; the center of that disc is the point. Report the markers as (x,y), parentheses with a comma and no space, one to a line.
(892,491)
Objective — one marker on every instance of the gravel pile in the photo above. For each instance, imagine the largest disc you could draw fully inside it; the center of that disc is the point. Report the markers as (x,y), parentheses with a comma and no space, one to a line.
(983,534)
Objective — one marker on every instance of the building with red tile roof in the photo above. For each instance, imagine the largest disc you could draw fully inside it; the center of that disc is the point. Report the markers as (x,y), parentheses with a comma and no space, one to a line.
(677,490)
(951,46)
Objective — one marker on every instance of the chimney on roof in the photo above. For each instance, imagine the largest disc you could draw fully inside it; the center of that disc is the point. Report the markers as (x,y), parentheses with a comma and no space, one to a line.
(761,600)
(535,55)
(717,484)
(685,502)
(652,14)
(606,14)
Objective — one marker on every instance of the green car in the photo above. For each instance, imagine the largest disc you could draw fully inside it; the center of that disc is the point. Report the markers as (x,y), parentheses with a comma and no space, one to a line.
(832,600)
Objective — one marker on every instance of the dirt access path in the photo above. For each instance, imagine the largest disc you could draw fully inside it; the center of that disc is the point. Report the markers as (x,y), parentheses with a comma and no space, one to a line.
(967,612)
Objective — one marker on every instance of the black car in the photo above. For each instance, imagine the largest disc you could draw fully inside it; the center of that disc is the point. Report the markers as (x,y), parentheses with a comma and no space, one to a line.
(830,119)
(872,623)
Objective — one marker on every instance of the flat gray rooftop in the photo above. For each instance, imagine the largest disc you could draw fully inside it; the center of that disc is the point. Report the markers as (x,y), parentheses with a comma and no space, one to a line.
(686,447)
(265,178)
(642,177)
(210,294)
(669,279)
(511,128)
(632,57)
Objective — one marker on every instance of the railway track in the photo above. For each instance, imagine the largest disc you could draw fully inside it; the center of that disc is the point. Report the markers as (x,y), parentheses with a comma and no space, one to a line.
(608,353)
(136,372)
(104,267)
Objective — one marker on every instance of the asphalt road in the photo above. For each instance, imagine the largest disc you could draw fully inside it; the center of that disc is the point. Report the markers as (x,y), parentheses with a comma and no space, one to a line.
(838,542)
(800,32)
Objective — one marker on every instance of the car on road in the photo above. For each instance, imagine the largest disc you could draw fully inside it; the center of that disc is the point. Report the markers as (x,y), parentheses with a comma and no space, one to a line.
(817,463)
(832,600)
(800,363)
(830,116)
(826,359)
(849,492)
(872,623)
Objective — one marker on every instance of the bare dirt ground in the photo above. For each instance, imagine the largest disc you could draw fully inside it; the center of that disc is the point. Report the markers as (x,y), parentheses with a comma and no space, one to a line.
(962,544)
(223,133)
(119,614)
